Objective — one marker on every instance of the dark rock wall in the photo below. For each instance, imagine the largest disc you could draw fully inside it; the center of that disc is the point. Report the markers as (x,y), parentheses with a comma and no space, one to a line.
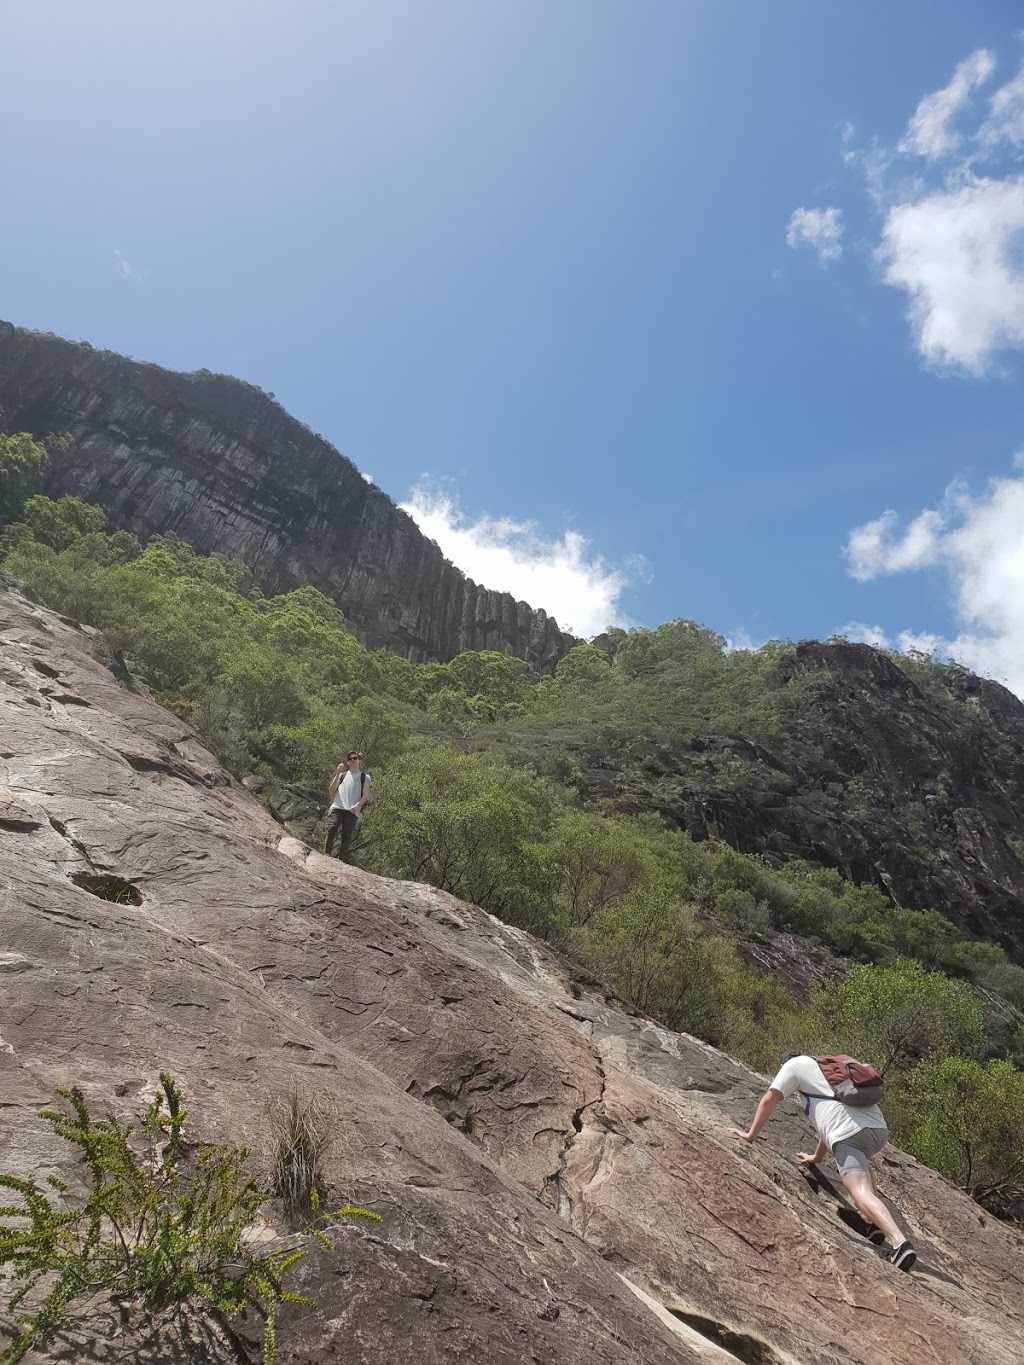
(226,468)
(921,794)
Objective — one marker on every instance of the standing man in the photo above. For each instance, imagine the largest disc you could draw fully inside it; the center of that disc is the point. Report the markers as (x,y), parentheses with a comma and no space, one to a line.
(853,1135)
(350,789)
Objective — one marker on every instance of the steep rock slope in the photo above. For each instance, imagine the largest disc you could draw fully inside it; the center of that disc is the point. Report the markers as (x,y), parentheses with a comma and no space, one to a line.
(553,1171)
(224,466)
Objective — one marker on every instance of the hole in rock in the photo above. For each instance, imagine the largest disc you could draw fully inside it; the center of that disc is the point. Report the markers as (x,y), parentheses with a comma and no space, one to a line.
(108,887)
(750,1350)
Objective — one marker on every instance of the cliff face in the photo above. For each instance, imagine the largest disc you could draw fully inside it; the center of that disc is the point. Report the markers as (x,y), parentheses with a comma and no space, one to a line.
(554,1172)
(226,468)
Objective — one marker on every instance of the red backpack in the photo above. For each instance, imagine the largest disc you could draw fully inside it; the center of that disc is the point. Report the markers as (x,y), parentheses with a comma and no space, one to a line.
(854,1083)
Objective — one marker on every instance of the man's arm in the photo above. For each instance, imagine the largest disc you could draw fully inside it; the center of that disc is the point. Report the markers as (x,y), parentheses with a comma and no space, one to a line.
(812,1158)
(769,1100)
(332,789)
(366,794)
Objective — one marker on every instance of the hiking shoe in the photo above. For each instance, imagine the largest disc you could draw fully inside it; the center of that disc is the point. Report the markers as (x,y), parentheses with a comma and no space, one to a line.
(874,1234)
(902,1256)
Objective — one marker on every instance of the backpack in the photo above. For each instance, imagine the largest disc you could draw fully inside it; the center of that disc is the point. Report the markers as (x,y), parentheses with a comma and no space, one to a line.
(855,1083)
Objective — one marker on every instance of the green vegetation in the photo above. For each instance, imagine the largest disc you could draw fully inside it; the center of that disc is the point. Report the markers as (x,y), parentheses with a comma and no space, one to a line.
(967,1120)
(154,1229)
(477,773)
(896,1015)
(22,462)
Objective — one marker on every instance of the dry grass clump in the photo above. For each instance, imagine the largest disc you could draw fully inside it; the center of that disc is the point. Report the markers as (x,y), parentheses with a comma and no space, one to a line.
(304,1128)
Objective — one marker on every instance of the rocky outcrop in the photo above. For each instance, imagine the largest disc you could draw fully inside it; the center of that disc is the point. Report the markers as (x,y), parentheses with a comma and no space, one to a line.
(553,1171)
(918,791)
(222,465)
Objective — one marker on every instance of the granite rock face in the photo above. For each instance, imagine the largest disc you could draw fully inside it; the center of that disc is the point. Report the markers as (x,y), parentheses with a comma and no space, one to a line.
(553,1170)
(222,465)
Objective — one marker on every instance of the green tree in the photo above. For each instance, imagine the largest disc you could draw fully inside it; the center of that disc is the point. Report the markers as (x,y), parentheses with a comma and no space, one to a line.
(311,751)
(888,1015)
(584,667)
(494,685)
(593,862)
(966,1121)
(466,824)
(22,462)
(62,522)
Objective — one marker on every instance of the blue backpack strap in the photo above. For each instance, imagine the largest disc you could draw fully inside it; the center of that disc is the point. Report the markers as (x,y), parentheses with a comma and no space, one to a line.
(809,1095)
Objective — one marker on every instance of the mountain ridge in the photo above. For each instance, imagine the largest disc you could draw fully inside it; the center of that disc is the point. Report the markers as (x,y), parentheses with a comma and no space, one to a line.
(221,464)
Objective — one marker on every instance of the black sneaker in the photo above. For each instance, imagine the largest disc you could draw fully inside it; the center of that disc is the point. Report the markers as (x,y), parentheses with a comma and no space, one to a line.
(874,1234)
(902,1256)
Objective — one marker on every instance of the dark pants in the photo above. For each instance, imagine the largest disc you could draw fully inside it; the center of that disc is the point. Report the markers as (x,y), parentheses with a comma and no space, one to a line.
(348,823)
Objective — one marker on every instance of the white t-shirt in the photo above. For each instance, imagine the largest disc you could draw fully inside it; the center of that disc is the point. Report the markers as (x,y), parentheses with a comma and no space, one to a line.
(351,791)
(833,1119)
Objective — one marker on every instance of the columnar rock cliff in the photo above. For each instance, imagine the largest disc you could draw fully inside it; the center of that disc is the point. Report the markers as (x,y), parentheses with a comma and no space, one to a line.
(553,1171)
(225,467)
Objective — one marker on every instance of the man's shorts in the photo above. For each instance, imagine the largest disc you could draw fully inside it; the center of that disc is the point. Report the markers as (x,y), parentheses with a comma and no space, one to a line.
(853,1153)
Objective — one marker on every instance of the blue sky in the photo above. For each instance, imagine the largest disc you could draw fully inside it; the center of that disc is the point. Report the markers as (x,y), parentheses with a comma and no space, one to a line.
(696,308)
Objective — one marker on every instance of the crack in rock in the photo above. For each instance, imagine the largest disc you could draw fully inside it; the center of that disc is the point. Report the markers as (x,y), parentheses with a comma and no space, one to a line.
(563,1200)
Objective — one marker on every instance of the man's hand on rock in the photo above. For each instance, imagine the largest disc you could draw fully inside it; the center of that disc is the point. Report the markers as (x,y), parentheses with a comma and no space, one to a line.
(806,1158)
(743,1137)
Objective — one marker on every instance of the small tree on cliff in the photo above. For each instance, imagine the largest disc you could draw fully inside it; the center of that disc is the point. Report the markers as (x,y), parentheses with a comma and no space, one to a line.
(22,462)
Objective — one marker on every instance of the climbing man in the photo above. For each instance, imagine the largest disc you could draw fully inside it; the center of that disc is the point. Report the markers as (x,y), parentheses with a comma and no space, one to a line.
(854,1131)
(350,790)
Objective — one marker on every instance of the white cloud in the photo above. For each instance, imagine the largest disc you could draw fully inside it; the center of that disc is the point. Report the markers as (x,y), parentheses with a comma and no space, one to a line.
(957,253)
(950,201)
(979,541)
(562,576)
(820,229)
(872,549)
(368,478)
(929,133)
(905,641)
(860,634)
(742,639)
(124,268)
(1005,122)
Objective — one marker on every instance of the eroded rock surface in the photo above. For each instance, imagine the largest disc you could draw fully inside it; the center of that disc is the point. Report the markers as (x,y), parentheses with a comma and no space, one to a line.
(553,1171)
(222,465)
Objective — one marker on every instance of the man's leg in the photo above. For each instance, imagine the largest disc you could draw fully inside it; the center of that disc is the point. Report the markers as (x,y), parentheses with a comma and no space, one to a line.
(349,823)
(333,823)
(860,1186)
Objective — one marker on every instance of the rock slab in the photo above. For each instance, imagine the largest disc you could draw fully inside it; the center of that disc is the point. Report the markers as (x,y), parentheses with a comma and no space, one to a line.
(553,1171)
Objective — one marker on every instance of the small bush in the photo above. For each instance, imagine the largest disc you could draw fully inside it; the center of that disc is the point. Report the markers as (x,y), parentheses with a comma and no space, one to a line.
(154,1229)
